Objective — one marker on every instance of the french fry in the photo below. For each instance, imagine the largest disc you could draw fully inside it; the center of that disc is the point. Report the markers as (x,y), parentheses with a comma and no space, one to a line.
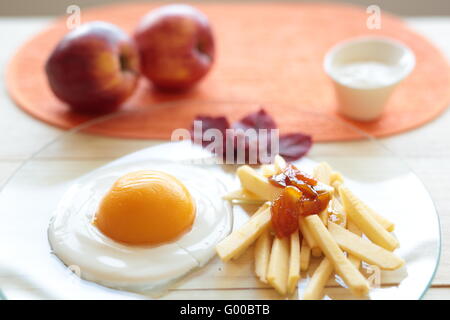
(262,255)
(279,163)
(337,213)
(322,172)
(277,273)
(243,196)
(336,179)
(315,250)
(358,213)
(343,267)
(364,250)
(268,170)
(353,228)
(388,225)
(339,217)
(257,183)
(324,215)
(264,206)
(314,289)
(294,262)
(239,240)
(336,230)
(305,255)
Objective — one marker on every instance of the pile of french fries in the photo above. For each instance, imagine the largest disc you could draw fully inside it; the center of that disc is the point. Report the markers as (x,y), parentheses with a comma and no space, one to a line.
(335,236)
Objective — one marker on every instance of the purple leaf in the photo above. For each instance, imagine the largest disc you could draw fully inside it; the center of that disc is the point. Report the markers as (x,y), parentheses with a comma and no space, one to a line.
(293,146)
(220,123)
(257,120)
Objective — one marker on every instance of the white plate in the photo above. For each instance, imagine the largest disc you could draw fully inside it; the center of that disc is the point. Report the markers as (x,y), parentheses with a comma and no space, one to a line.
(28,270)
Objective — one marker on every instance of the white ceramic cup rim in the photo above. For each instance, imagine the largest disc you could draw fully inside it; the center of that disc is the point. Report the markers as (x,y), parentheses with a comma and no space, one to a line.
(407,52)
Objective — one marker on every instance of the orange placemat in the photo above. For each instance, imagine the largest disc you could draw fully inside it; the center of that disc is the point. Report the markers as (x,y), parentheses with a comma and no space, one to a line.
(267,53)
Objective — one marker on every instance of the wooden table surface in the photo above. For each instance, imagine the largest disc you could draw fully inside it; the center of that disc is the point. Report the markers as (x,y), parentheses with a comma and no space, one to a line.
(426,150)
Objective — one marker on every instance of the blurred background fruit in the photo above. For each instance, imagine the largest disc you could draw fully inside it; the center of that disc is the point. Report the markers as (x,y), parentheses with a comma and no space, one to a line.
(94,68)
(176,46)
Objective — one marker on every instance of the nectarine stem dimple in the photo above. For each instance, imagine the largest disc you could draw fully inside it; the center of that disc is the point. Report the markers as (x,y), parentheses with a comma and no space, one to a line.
(201,48)
(124,65)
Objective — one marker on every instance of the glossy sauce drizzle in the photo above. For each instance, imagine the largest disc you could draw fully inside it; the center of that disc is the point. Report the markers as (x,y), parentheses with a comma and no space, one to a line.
(302,196)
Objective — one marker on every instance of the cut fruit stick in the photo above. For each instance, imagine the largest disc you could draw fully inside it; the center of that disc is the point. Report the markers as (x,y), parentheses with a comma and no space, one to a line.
(243,196)
(357,284)
(268,170)
(364,250)
(322,172)
(314,289)
(279,163)
(336,178)
(277,167)
(305,255)
(388,225)
(262,255)
(358,213)
(324,215)
(294,262)
(337,205)
(337,213)
(306,233)
(277,273)
(258,184)
(354,229)
(264,206)
(239,240)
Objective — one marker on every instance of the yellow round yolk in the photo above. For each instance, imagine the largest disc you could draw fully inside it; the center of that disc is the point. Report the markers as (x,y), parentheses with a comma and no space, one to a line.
(146,208)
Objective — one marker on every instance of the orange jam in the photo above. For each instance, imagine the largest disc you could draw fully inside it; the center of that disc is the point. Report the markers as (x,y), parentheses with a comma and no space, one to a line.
(302,196)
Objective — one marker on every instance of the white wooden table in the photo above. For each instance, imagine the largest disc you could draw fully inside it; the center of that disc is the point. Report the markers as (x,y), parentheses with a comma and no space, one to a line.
(426,150)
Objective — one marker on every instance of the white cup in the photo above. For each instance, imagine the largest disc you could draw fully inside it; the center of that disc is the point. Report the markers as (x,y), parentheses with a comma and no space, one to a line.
(365,71)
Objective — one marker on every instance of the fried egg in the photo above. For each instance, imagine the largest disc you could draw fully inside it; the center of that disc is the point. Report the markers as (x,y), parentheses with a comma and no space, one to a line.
(140,226)
(145,208)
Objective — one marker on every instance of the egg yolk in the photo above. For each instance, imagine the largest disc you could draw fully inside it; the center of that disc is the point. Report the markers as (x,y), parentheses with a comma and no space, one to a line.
(146,208)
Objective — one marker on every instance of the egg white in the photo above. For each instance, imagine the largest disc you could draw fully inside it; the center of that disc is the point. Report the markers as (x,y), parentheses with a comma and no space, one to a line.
(76,242)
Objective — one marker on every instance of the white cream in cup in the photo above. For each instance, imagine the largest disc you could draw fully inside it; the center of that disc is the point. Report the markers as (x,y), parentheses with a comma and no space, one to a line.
(365,71)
